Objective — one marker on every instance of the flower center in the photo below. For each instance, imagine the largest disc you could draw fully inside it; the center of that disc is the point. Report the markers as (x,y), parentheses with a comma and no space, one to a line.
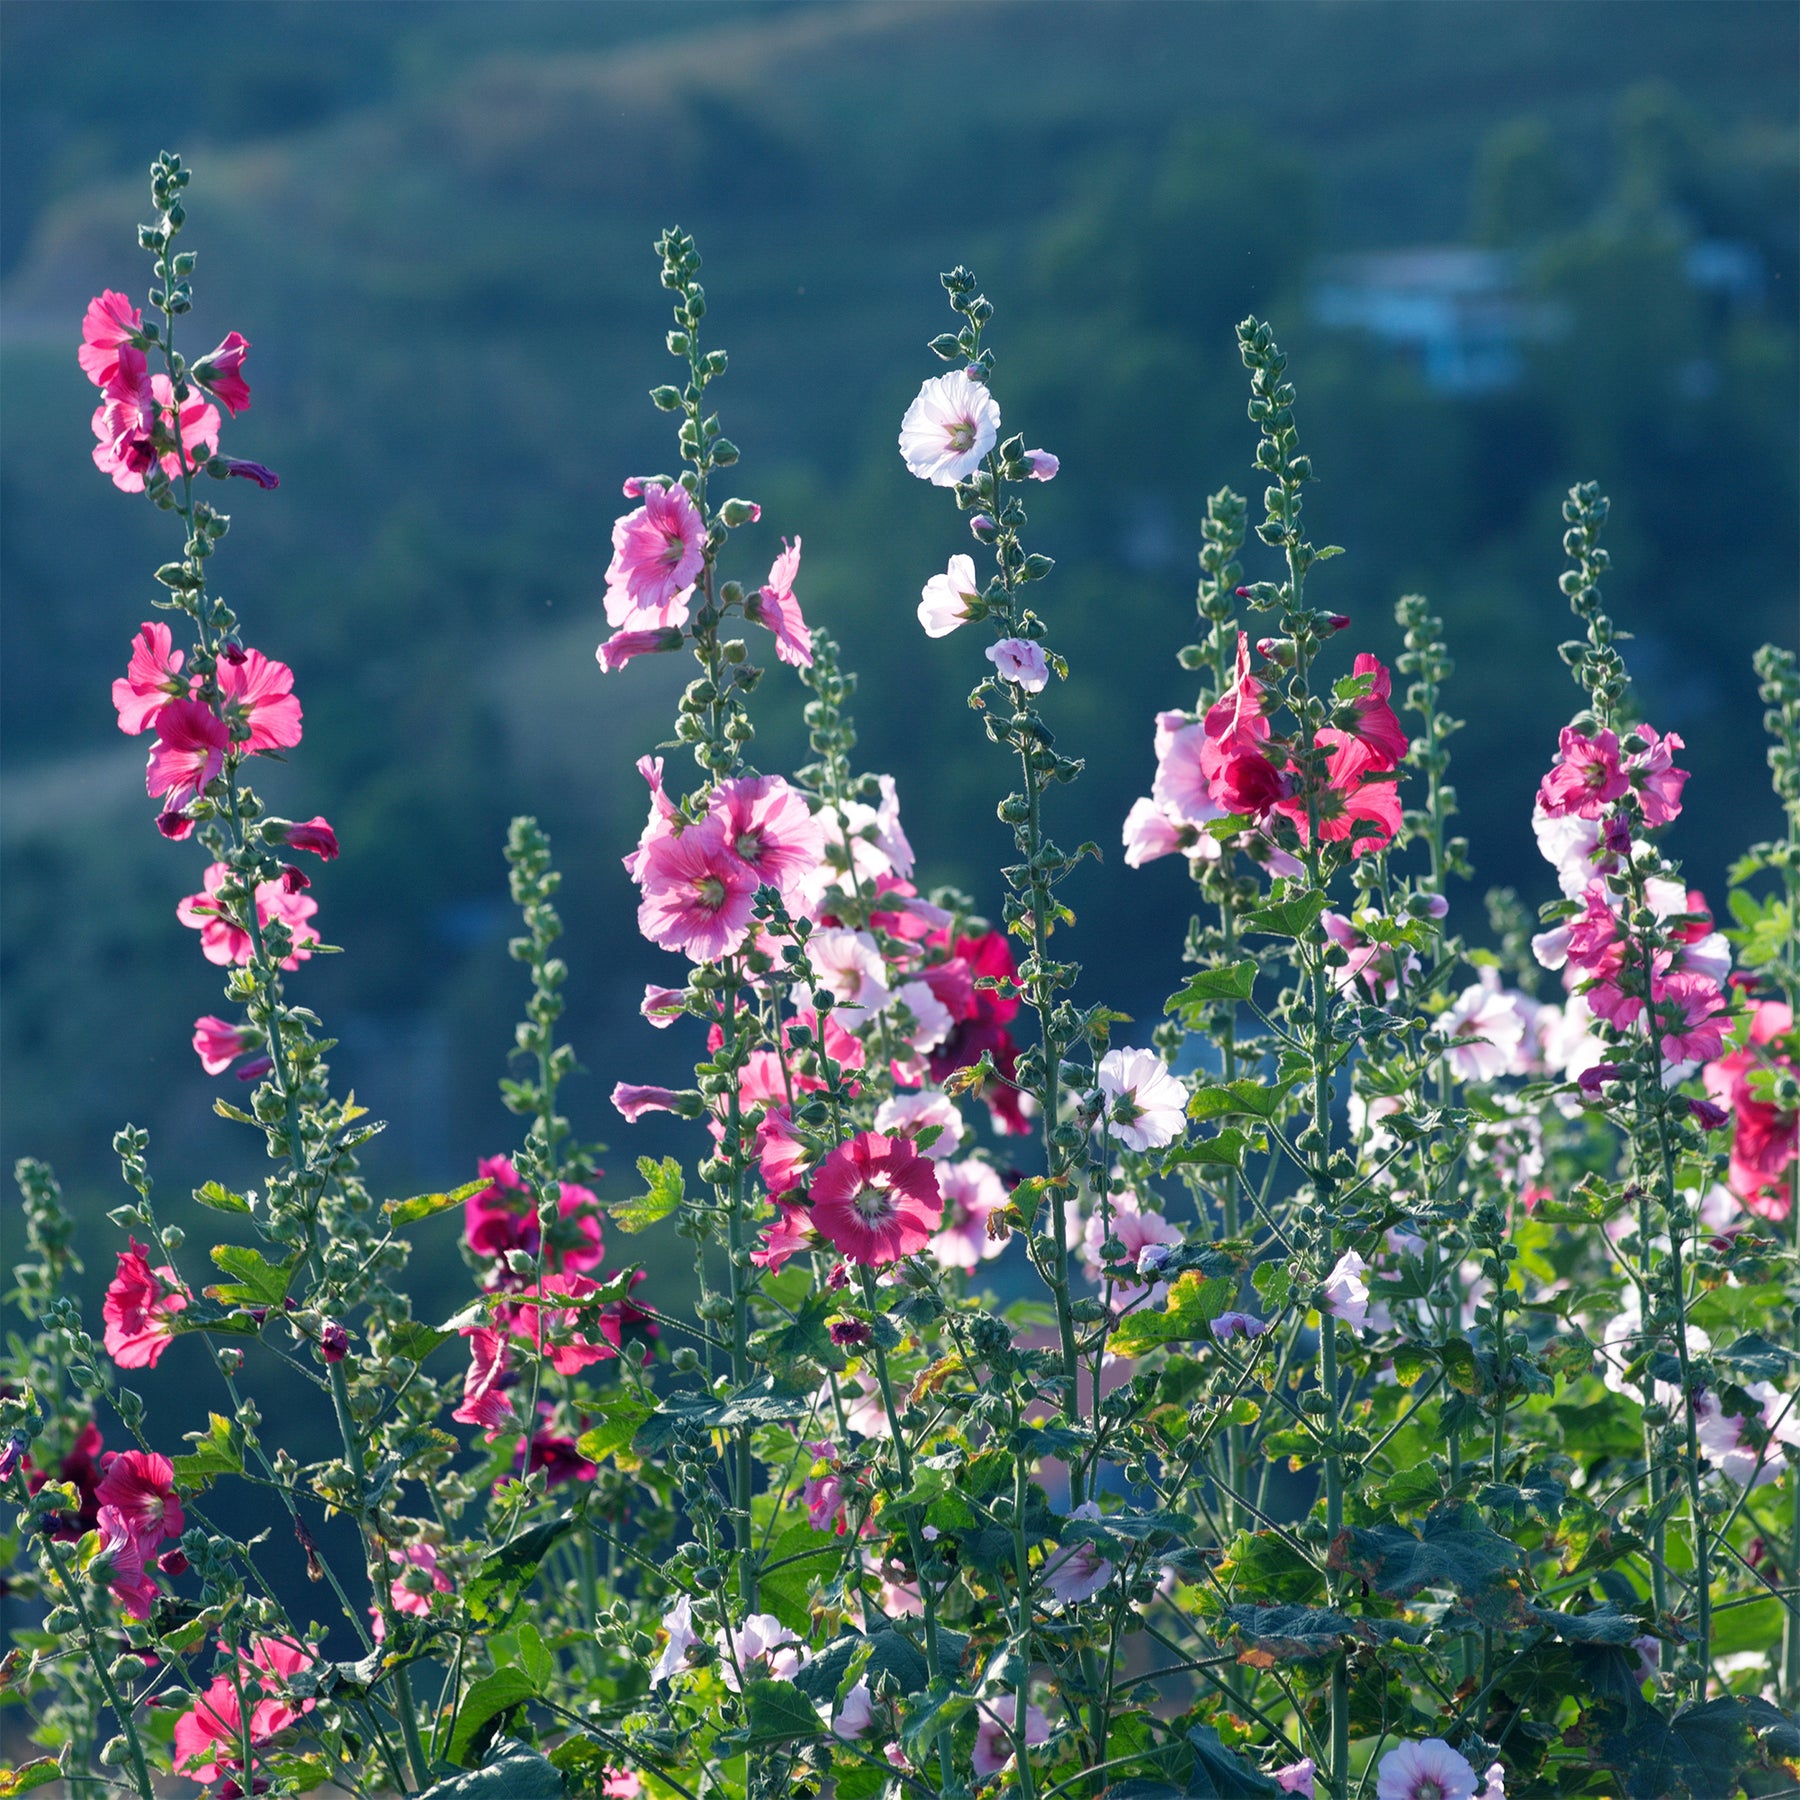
(1428,1789)
(709,890)
(962,434)
(749,846)
(873,1205)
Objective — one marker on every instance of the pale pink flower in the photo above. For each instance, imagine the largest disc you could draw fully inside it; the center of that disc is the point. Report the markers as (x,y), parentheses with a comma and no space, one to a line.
(410,1592)
(1077,1571)
(698,893)
(1427,1771)
(1570,844)
(1043,465)
(971,1191)
(865,1412)
(1150,831)
(1146,1105)
(949,428)
(906,1115)
(1297,1778)
(1724,1439)
(1487,1029)
(849,966)
(1021,662)
(1232,1325)
(776,607)
(140,1308)
(876,1198)
(662,1006)
(220,372)
(1125,1219)
(258,695)
(189,752)
(1346,1292)
(152,679)
(856,1712)
(111,323)
(945,599)
(678,1623)
(772,831)
(993,1733)
(633,1102)
(1180,788)
(658,549)
(622,646)
(761,1649)
(932,1019)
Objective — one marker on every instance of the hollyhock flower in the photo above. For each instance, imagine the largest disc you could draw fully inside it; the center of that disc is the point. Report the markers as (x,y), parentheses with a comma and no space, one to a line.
(776,607)
(1145,1104)
(849,966)
(1427,1771)
(1586,777)
(698,893)
(80,1469)
(559,1457)
(111,324)
(781,1156)
(772,831)
(678,1623)
(219,1044)
(993,1733)
(138,415)
(1571,845)
(223,466)
(1691,1016)
(1724,1437)
(153,677)
(1487,1029)
(501,1218)
(191,741)
(932,1019)
(140,1308)
(485,1401)
(1346,1292)
(1077,1571)
(662,1006)
(971,1192)
(1376,728)
(556,1330)
(135,1591)
(876,1198)
(855,1713)
(1043,465)
(1150,831)
(1181,788)
(945,600)
(622,646)
(224,941)
(1357,800)
(1766,1139)
(214,1728)
(219,371)
(1297,1778)
(761,1649)
(411,1593)
(949,428)
(257,696)
(1375,968)
(906,1115)
(1229,1325)
(1021,662)
(658,550)
(1125,1219)
(140,1487)
(634,1102)
(1239,775)
(1657,780)
(823,1497)
(786,1235)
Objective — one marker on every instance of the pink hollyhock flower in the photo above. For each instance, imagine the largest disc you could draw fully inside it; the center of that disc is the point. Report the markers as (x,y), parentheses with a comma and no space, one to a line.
(1654,775)
(945,600)
(1346,1292)
(1078,1571)
(1181,787)
(634,1102)
(1766,1140)
(219,1044)
(698,893)
(214,1728)
(1742,1457)
(111,324)
(139,1486)
(191,741)
(1150,831)
(621,1784)
(1142,1234)
(849,966)
(220,372)
(410,1592)
(770,829)
(761,1649)
(678,1623)
(1239,776)
(555,1330)
(949,428)
(1146,1106)
(1297,1778)
(485,1401)
(855,1713)
(785,1236)
(1586,776)
(823,1497)
(1487,1029)
(1230,1325)
(257,697)
(906,1115)
(1355,799)
(1376,728)
(776,607)
(1691,1015)
(1427,1771)
(781,1156)
(1021,662)
(876,1198)
(1043,465)
(971,1192)
(993,1733)
(662,1006)
(658,550)
(622,646)
(138,417)
(314,834)
(131,1585)
(153,677)
(140,1308)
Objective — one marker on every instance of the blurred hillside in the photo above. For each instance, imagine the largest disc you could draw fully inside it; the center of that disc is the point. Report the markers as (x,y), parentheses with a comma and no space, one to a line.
(434,223)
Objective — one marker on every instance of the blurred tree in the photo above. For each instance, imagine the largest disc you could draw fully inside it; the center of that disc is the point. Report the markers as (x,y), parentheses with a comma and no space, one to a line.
(1524,191)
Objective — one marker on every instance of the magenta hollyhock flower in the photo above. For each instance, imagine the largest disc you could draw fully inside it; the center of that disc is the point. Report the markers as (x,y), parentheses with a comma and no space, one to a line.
(1377,728)
(140,1485)
(224,941)
(1427,1771)
(1654,775)
(662,1006)
(257,695)
(1146,1105)
(1692,1016)
(152,679)
(314,834)
(658,550)
(1021,662)
(949,428)
(80,1468)
(1357,798)
(781,1157)
(1239,775)
(1586,777)
(140,1308)
(876,1199)
(556,1330)
(132,1586)
(770,829)
(137,419)
(698,893)
(209,1736)
(111,324)
(776,607)
(945,599)
(622,646)
(220,372)
(191,741)
(218,1043)
(823,1498)
(993,1734)
(1765,1139)
(785,1236)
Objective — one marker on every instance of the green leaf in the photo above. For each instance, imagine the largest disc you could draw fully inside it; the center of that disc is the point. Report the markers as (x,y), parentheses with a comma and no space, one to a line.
(502,1579)
(1414,1490)
(1287,918)
(1273,1281)
(934,1711)
(621,1410)
(521,1774)
(414,1339)
(1222,1774)
(762,1402)
(1194,1301)
(779,1713)
(259,1281)
(523,1648)
(215,1453)
(1276,1634)
(1225,1151)
(478,1721)
(1602,1625)
(220,1199)
(1236,981)
(1451,1551)
(1262,1100)
(805,1338)
(37,1773)
(784,1590)
(666,1188)
(1264,1565)
(423,1206)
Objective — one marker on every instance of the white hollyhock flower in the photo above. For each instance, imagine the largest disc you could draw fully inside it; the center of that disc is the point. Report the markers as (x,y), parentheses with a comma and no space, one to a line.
(949,428)
(1147,1105)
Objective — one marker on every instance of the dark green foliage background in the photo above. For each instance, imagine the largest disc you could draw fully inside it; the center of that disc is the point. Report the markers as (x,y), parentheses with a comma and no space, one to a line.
(433,222)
